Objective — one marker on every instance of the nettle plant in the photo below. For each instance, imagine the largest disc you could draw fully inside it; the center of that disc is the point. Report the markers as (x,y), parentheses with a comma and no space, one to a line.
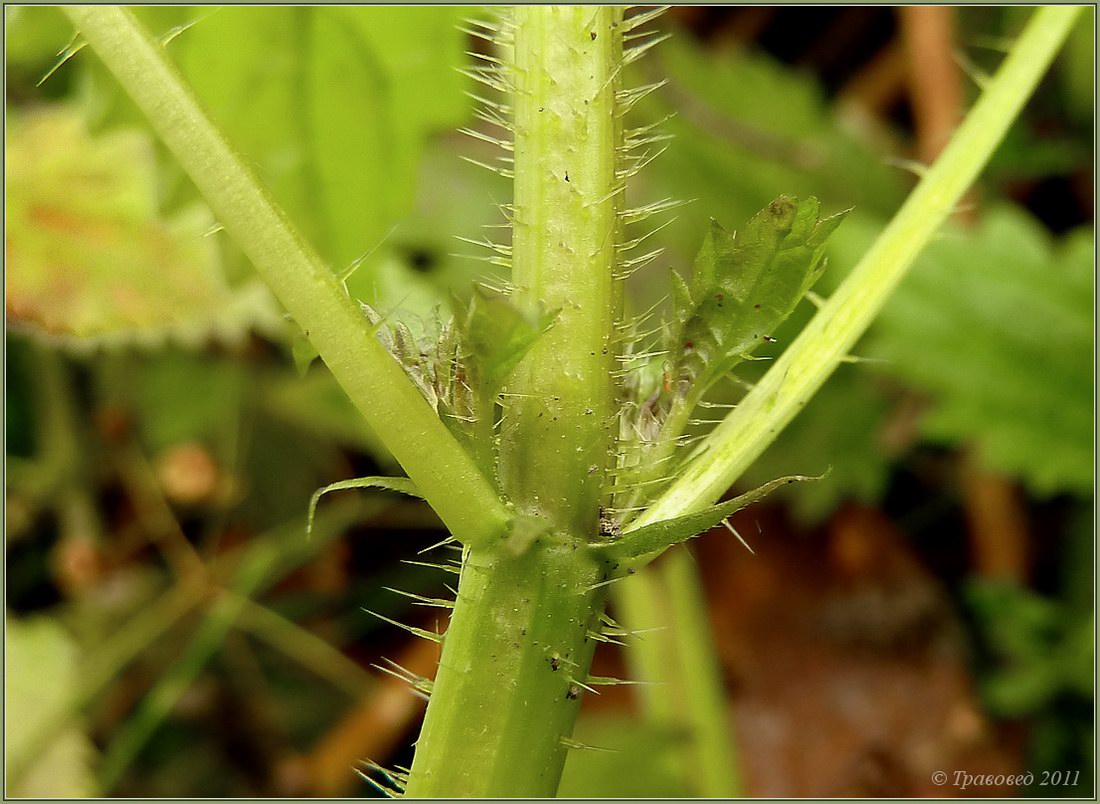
(544,426)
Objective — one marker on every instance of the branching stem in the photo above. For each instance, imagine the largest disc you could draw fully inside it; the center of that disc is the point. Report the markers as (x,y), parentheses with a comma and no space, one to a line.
(507,694)
(829,337)
(393,406)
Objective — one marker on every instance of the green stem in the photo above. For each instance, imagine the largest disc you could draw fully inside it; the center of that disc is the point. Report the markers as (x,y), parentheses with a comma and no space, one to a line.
(714,760)
(505,693)
(62,448)
(104,664)
(518,648)
(684,691)
(811,358)
(168,690)
(564,253)
(57,425)
(387,398)
(262,563)
(808,362)
(308,649)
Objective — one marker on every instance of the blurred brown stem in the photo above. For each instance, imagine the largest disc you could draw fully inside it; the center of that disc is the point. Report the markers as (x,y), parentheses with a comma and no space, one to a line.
(997,520)
(369,731)
(935,84)
(159,521)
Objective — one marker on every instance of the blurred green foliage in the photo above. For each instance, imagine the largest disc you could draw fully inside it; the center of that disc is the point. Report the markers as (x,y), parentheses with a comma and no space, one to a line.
(41,664)
(347,114)
(91,258)
(1039,664)
(627,759)
(995,324)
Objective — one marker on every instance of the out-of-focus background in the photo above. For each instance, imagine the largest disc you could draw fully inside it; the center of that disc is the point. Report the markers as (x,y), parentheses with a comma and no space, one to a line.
(170,631)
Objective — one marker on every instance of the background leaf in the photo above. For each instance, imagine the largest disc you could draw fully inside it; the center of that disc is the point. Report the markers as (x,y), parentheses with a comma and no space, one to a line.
(41,665)
(91,256)
(996,327)
(278,80)
(639,760)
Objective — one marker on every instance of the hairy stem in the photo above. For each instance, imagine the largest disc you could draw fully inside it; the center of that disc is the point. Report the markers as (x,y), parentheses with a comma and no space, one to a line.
(506,691)
(448,478)
(518,648)
(559,424)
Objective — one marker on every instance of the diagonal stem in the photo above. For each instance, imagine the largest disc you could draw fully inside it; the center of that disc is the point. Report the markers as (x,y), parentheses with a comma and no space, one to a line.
(449,479)
(807,363)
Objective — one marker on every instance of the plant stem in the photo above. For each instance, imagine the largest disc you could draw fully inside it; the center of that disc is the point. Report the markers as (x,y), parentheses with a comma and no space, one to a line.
(309,650)
(109,658)
(103,666)
(713,762)
(258,568)
(684,690)
(505,693)
(811,358)
(448,478)
(564,254)
(518,647)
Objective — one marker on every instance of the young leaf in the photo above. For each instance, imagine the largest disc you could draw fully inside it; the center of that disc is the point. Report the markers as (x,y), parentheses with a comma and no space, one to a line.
(498,335)
(659,536)
(461,366)
(398,484)
(743,288)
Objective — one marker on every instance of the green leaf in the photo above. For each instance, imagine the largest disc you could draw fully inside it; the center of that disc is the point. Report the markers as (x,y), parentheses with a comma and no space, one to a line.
(743,288)
(747,125)
(1078,72)
(316,405)
(34,37)
(499,334)
(1041,649)
(659,536)
(170,412)
(398,484)
(332,105)
(42,667)
(996,326)
(90,255)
